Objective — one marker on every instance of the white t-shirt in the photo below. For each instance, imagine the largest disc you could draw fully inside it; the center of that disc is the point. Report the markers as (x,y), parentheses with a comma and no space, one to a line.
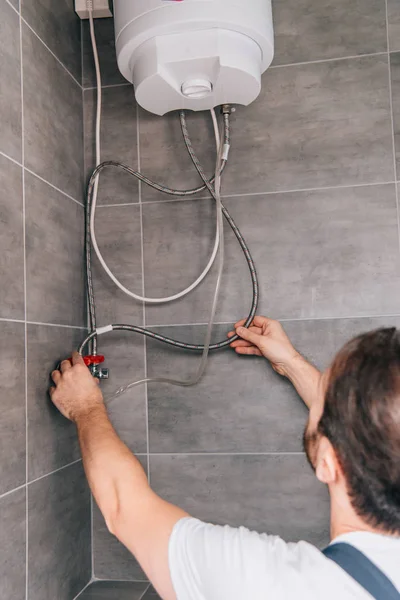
(209,562)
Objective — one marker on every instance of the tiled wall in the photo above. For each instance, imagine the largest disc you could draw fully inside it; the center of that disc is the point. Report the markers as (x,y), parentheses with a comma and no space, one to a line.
(44,498)
(312,185)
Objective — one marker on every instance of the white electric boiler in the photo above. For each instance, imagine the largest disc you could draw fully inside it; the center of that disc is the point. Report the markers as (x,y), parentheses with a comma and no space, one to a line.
(193,54)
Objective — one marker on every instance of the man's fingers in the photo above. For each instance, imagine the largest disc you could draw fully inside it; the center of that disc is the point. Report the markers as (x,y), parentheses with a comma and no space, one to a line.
(248,335)
(56,376)
(240,323)
(241,344)
(77,359)
(52,389)
(65,366)
(249,351)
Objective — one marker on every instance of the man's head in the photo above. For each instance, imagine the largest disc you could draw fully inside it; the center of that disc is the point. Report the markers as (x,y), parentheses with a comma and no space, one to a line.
(354,433)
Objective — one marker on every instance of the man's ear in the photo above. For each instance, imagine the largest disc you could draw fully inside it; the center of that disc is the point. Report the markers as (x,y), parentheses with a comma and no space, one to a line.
(327,468)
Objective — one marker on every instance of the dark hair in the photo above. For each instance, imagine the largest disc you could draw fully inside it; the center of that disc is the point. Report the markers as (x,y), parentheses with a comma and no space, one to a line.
(361,418)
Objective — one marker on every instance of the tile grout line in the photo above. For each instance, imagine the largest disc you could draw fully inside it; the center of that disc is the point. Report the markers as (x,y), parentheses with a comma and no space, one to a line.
(51,52)
(10,158)
(74,462)
(145,592)
(146,389)
(84,133)
(392,122)
(82,590)
(40,177)
(325,60)
(25,310)
(111,85)
(214,454)
(4,319)
(13,7)
(53,186)
(282,320)
(249,194)
(20,487)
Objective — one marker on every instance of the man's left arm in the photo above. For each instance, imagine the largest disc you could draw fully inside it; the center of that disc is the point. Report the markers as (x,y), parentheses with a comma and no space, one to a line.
(140,519)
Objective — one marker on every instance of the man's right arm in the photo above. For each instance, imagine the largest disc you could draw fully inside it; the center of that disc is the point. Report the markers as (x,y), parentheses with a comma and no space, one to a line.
(266,337)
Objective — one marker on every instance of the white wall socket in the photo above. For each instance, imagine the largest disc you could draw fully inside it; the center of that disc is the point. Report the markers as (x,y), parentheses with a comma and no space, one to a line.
(101,9)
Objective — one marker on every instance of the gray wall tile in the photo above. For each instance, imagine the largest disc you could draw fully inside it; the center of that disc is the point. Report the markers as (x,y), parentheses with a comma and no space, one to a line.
(10,69)
(114,590)
(395,75)
(52,440)
(118,142)
(15,3)
(241,404)
(59,535)
(54,255)
(118,233)
(111,559)
(394,24)
(151,593)
(124,353)
(52,117)
(321,253)
(59,27)
(11,241)
(13,545)
(279,495)
(314,125)
(105,38)
(163,156)
(13,419)
(306,30)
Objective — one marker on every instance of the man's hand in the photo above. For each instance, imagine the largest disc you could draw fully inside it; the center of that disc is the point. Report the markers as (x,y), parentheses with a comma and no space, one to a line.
(266,337)
(76,392)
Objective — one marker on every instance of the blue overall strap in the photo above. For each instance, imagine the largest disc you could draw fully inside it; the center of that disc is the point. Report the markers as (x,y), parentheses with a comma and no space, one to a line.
(363,570)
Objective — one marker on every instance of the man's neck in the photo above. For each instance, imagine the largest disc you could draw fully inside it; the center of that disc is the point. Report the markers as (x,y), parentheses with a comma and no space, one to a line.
(344,518)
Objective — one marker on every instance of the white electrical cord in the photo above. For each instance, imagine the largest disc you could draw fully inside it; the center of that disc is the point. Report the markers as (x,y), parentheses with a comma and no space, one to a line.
(96,186)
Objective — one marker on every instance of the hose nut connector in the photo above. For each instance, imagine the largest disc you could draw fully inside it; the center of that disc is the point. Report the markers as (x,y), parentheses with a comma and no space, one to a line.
(227,109)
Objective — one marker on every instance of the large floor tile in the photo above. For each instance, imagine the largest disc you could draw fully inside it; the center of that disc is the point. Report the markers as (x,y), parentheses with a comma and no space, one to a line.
(11,241)
(13,545)
(277,494)
(118,234)
(54,255)
(318,254)
(124,354)
(163,155)
(15,3)
(118,142)
(10,97)
(105,38)
(59,27)
(111,559)
(13,418)
(53,118)
(314,125)
(306,30)
(59,555)
(52,440)
(394,24)
(241,404)
(114,590)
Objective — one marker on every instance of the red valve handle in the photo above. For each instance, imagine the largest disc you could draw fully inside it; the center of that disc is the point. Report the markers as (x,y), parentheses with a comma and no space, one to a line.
(92,359)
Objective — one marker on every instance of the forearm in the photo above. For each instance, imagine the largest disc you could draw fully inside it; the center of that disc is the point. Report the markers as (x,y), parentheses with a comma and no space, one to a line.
(113,472)
(140,519)
(305,378)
